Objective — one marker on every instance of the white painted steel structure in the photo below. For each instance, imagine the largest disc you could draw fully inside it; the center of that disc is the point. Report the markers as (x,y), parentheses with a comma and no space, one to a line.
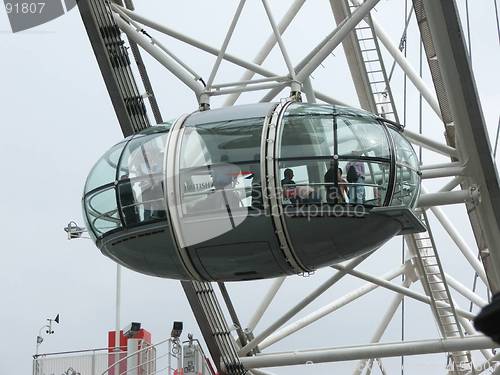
(470,168)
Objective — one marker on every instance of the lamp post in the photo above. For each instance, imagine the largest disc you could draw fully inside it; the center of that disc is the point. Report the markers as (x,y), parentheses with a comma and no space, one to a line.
(75,231)
(117,312)
(49,331)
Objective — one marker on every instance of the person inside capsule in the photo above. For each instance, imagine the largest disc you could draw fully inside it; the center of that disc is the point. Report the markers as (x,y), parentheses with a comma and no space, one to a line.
(335,185)
(289,187)
(356,179)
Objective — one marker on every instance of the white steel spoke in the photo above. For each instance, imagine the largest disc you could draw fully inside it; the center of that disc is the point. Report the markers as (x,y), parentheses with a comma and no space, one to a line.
(464,291)
(268,46)
(399,289)
(443,172)
(343,30)
(430,144)
(350,353)
(308,90)
(284,52)
(161,57)
(393,307)
(318,54)
(447,197)
(328,309)
(155,41)
(452,184)
(225,43)
(299,306)
(198,44)
(453,164)
(268,298)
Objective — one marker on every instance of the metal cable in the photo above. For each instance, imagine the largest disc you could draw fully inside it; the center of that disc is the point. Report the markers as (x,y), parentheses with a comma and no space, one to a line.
(496,139)
(402,42)
(498,22)
(468,29)
(420,126)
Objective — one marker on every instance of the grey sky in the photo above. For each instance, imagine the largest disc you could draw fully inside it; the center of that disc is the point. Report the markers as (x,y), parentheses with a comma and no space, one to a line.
(57,120)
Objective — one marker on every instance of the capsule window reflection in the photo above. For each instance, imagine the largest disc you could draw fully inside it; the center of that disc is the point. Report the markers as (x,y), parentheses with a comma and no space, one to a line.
(253,191)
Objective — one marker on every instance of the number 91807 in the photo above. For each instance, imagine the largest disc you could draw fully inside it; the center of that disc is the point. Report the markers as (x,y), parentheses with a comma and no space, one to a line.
(25,8)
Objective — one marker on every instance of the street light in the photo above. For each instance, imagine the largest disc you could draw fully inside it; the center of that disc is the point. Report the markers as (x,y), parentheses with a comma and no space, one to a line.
(174,346)
(48,331)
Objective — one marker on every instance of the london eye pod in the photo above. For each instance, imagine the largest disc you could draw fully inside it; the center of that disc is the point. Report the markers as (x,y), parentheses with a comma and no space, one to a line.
(253,191)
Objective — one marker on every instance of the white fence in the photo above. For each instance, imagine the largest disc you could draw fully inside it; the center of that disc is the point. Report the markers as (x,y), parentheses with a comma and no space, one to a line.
(90,363)
(167,358)
(96,363)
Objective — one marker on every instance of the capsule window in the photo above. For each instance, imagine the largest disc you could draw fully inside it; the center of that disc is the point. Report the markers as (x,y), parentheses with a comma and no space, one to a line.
(407,181)
(361,137)
(104,171)
(220,166)
(141,190)
(102,211)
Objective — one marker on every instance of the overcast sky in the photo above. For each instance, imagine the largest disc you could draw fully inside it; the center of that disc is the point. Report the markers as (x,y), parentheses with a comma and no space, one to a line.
(57,120)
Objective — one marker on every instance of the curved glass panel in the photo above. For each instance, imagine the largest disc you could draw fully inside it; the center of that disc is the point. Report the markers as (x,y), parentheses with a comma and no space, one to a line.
(361,137)
(102,211)
(407,182)
(140,185)
(301,109)
(354,112)
(104,171)
(144,155)
(407,187)
(404,151)
(311,135)
(333,155)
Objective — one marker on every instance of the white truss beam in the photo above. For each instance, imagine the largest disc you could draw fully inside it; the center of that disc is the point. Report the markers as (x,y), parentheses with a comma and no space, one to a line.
(452,184)
(222,51)
(343,30)
(447,197)
(399,289)
(308,90)
(161,57)
(301,305)
(386,319)
(443,172)
(156,42)
(430,144)
(268,298)
(281,44)
(268,46)
(350,353)
(464,291)
(328,309)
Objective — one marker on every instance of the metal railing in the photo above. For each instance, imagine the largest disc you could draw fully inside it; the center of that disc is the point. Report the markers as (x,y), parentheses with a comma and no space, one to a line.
(165,357)
(84,362)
